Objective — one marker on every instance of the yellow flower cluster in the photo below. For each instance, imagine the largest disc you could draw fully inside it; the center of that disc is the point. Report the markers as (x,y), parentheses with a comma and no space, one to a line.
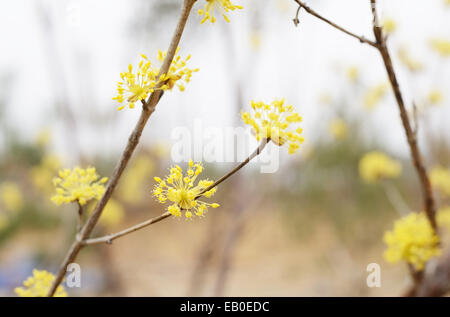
(137,86)
(11,196)
(223,6)
(375,166)
(180,190)
(440,179)
(38,285)
(374,95)
(441,46)
(338,128)
(79,185)
(412,240)
(277,122)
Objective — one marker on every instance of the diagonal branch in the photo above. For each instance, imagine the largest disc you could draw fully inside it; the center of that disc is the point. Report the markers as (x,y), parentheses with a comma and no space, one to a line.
(301,4)
(427,192)
(147,110)
(381,46)
(111,237)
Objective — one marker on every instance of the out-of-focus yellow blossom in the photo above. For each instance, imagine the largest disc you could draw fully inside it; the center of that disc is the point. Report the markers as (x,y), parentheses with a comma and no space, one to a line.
(43,137)
(412,64)
(389,25)
(447,2)
(375,166)
(223,6)
(11,196)
(137,86)
(441,46)
(443,217)
(353,74)
(440,179)
(412,240)
(42,174)
(3,221)
(181,191)
(276,121)
(79,185)
(435,97)
(374,95)
(39,285)
(338,128)
(132,190)
(112,215)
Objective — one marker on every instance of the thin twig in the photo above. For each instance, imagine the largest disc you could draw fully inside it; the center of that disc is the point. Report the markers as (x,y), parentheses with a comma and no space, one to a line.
(133,141)
(109,238)
(430,208)
(381,46)
(301,4)
(237,168)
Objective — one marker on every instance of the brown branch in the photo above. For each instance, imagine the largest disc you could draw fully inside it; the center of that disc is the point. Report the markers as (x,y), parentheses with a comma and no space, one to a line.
(436,282)
(381,46)
(429,202)
(147,109)
(237,168)
(301,4)
(109,238)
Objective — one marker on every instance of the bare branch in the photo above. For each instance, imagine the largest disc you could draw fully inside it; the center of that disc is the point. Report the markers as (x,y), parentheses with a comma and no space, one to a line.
(301,4)
(109,238)
(133,141)
(429,202)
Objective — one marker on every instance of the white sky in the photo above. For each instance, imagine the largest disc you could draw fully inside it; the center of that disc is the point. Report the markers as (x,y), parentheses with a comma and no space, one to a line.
(297,63)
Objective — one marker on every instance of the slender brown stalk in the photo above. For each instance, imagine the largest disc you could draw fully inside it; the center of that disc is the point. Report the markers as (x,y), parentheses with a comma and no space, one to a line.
(147,109)
(301,4)
(429,202)
(380,45)
(109,238)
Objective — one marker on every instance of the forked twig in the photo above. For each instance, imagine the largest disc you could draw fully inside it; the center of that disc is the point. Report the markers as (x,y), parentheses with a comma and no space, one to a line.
(109,238)
(381,46)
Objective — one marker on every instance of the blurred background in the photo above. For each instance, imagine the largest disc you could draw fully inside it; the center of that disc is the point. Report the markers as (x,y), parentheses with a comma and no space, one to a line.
(310,229)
